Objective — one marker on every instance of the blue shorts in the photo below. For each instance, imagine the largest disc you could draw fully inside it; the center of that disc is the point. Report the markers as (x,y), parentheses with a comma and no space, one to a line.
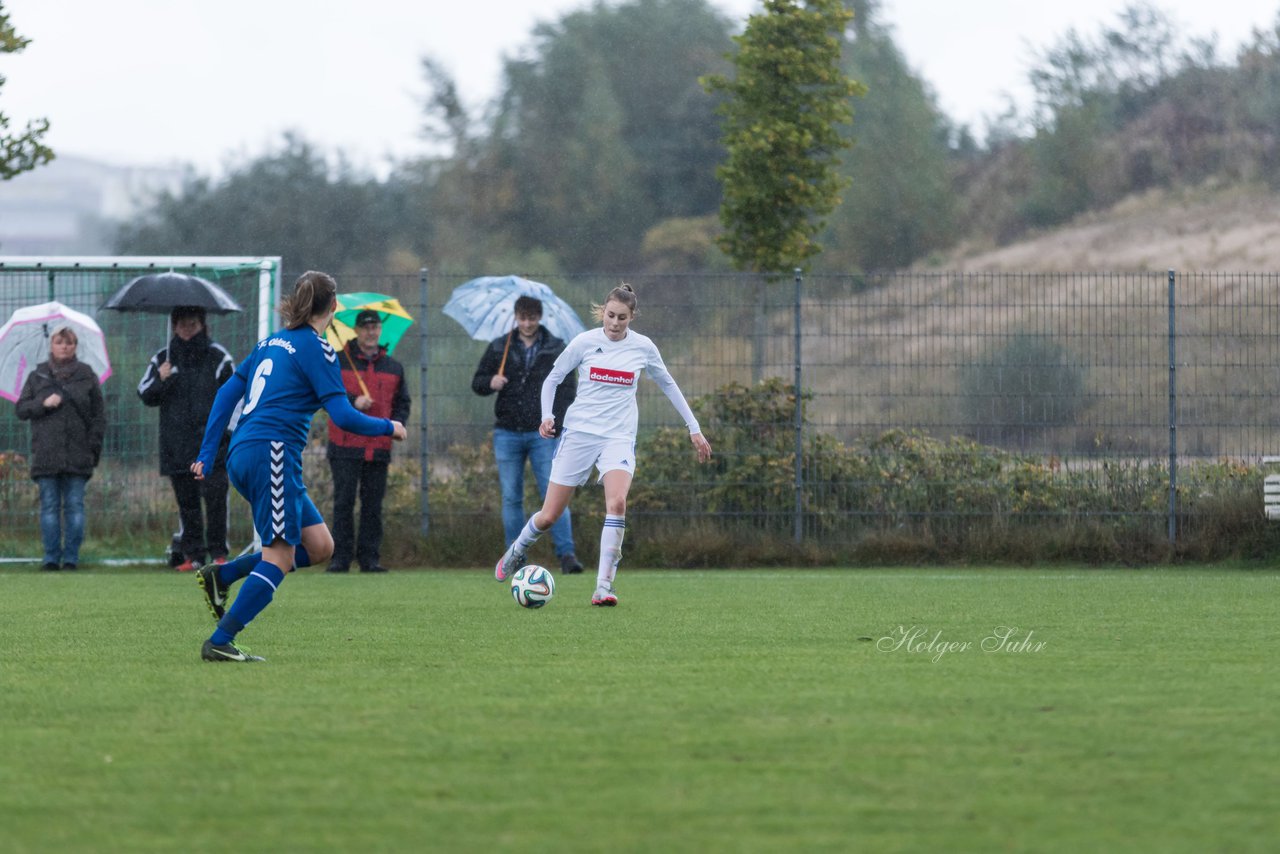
(269,476)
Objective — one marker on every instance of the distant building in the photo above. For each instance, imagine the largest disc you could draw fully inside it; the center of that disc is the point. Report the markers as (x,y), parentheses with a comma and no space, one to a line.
(71,205)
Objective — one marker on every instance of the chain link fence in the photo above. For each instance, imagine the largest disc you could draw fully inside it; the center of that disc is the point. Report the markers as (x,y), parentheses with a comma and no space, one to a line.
(934,406)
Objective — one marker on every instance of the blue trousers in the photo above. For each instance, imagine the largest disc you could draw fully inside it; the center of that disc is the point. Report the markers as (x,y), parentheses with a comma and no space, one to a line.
(62,517)
(512,448)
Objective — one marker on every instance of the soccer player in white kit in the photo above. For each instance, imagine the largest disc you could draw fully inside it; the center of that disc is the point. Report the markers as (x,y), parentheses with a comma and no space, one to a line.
(600,431)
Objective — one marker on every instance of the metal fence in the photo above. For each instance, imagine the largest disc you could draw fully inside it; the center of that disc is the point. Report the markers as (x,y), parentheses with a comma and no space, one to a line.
(1076,375)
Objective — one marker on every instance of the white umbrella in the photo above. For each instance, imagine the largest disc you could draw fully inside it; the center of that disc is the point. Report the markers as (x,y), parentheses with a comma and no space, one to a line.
(485,307)
(24,343)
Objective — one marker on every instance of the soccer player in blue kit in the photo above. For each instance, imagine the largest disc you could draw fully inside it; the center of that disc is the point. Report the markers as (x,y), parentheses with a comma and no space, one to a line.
(288,376)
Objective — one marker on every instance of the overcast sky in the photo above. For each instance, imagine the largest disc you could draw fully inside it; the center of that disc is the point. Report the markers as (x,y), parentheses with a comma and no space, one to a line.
(138,82)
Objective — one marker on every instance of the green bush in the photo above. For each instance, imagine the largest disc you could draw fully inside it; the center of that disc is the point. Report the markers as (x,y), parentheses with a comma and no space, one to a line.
(896,497)
(1020,390)
(752,472)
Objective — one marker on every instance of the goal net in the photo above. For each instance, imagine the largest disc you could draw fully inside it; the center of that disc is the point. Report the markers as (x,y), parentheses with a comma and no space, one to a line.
(129,506)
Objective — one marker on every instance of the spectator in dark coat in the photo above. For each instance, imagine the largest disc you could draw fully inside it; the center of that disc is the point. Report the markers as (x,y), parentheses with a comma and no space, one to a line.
(375,384)
(514,367)
(64,404)
(183,379)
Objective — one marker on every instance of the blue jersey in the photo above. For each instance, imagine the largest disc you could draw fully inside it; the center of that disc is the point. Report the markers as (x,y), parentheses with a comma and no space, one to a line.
(288,376)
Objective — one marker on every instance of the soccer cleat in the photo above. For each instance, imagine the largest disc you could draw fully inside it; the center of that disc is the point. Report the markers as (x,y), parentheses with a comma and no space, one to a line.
(216,593)
(510,561)
(188,566)
(604,596)
(226,652)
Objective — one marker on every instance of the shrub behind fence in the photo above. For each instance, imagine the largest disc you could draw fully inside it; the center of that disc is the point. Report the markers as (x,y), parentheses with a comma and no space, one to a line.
(992,416)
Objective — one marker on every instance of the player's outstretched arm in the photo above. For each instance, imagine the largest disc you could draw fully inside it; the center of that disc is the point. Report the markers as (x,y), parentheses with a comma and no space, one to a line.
(350,419)
(224,404)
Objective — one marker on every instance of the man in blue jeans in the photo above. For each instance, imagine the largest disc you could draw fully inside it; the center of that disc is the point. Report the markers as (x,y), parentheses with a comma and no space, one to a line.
(514,367)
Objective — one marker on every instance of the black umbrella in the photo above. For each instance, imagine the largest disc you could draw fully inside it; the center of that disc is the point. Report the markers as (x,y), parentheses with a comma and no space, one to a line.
(161,293)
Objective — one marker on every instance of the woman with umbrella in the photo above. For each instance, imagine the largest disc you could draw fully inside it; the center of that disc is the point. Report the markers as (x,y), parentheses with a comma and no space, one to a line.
(284,380)
(600,431)
(64,404)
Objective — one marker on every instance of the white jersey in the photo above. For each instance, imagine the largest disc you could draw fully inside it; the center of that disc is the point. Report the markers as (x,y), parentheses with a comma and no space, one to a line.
(608,374)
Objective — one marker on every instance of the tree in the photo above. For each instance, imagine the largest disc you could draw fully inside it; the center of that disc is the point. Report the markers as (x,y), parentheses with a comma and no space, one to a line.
(900,204)
(604,130)
(290,203)
(463,199)
(22,152)
(782,123)
(1088,91)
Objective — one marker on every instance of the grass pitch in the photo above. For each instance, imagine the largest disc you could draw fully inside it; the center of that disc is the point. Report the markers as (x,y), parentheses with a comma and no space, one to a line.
(844,710)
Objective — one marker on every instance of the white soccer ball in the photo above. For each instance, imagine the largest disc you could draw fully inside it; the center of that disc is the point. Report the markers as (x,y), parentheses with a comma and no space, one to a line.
(533,586)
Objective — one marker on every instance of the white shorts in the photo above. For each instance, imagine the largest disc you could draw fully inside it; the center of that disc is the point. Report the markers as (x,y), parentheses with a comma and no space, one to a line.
(579,451)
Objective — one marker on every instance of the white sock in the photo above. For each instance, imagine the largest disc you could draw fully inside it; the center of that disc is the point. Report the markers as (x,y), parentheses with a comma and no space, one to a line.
(528,535)
(610,549)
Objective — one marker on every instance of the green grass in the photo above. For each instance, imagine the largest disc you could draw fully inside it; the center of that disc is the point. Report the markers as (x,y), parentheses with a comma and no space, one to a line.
(710,711)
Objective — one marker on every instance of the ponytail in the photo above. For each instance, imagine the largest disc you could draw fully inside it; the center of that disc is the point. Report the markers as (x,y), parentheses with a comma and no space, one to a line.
(313,294)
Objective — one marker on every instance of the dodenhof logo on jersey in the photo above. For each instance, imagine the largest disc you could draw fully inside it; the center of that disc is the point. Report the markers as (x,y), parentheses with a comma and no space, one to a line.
(610,377)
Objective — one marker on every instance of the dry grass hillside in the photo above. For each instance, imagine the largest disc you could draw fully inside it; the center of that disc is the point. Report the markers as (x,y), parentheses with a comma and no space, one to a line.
(1227,325)
(945,347)
(1206,230)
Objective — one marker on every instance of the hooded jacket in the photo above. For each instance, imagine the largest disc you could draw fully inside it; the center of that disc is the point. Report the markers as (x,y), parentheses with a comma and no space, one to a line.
(200,367)
(68,438)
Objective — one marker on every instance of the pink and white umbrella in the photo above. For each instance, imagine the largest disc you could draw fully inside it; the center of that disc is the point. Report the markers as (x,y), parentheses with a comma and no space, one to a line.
(24,343)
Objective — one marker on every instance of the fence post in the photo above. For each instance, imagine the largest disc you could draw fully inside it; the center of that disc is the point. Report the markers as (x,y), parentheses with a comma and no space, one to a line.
(423,420)
(1173,414)
(799,419)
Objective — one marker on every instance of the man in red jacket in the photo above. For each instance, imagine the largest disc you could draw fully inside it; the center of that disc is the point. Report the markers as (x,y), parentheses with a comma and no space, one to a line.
(375,384)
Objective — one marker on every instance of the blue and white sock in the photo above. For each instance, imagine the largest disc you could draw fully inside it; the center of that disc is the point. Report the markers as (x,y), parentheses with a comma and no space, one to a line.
(234,570)
(615,527)
(528,535)
(255,594)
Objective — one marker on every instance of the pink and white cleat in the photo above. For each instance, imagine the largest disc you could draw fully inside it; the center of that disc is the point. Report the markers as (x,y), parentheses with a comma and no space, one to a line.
(604,596)
(508,564)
